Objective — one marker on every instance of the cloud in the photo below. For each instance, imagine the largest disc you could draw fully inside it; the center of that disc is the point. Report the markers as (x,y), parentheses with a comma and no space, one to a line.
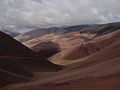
(47,13)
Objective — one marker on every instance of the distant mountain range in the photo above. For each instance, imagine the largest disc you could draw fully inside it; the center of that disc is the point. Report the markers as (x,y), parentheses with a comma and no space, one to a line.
(99,29)
(10,32)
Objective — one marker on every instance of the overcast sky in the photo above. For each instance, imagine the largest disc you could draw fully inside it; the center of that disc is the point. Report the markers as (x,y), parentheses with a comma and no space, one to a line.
(47,13)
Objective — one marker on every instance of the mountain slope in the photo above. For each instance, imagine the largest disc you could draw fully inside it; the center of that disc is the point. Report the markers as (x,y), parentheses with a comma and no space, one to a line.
(86,48)
(10,32)
(24,37)
(46,49)
(97,70)
(18,63)
(99,29)
(87,61)
(10,73)
(11,47)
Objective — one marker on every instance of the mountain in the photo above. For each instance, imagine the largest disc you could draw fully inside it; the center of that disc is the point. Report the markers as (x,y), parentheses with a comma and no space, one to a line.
(99,29)
(67,58)
(11,33)
(90,47)
(102,28)
(46,49)
(55,43)
(11,47)
(10,73)
(97,71)
(18,63)
(34,34)
(43,31)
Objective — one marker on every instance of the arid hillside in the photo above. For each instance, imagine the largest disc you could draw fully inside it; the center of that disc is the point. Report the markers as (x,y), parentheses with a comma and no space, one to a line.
(86,59)
(18,63)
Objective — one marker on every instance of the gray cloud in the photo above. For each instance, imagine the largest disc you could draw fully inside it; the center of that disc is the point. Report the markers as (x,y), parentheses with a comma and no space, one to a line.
(45,13)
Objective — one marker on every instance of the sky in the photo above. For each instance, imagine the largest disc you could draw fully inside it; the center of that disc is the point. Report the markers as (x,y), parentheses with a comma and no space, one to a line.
(49,13)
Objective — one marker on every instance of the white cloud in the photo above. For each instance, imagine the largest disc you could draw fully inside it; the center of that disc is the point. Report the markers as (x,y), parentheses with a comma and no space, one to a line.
(44,13)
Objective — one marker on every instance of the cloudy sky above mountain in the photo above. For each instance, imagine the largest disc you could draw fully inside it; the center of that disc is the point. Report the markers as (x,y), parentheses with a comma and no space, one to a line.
(47,13)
